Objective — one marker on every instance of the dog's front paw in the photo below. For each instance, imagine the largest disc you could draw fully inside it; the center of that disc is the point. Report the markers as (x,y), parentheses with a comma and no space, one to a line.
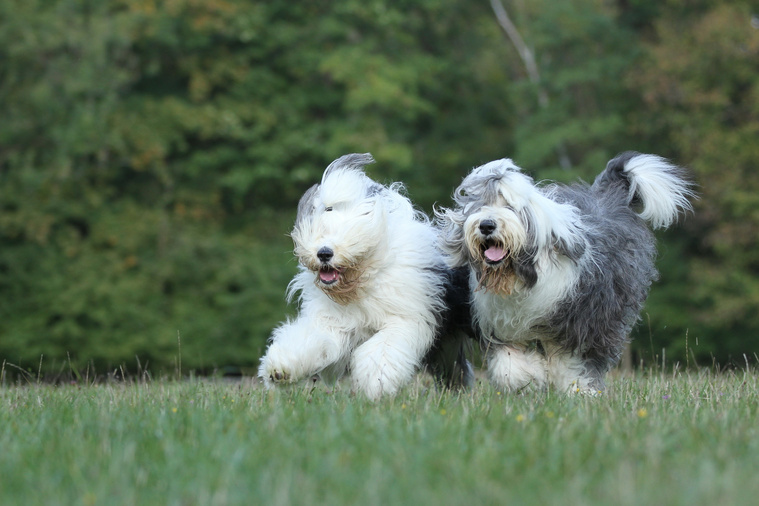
(273,376)
(377,377)
(274,371)
(277,376)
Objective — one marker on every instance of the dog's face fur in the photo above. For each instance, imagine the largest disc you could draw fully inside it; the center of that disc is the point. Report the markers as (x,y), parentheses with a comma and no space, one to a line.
(503,228)
(339,227)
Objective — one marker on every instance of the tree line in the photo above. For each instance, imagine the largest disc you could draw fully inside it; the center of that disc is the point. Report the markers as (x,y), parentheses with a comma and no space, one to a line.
(152,153)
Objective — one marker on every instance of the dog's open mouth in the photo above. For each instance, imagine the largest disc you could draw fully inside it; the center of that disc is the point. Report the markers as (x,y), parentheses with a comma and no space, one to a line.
(494,252)
(329,275)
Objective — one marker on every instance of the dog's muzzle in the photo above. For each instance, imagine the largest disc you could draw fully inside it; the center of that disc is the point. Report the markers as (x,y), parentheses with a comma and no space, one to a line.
(327,273)
(492,250)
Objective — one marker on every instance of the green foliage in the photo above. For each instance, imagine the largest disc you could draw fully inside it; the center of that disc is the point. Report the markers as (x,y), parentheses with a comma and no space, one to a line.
(129,299)
(152,153)
(663,438)
(581,50)
(701,88)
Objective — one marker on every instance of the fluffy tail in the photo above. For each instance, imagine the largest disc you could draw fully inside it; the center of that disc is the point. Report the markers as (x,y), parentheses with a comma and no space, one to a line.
(660,188)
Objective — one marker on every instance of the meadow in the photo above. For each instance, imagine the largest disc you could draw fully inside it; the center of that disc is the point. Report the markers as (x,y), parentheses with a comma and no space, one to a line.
(654,437)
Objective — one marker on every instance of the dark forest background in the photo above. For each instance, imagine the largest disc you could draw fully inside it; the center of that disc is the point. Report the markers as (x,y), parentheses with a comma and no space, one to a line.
(152,154)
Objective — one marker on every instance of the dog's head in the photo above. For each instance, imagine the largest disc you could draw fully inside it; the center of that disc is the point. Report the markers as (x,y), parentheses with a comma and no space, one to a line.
(340,226)
(503,227)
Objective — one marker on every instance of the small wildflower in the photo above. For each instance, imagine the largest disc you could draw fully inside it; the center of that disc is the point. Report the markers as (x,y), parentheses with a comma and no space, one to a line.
(642,413)
(403,406)
(173,410)
(520,418)
(498,393)
(443,412)
(549,414)
(665,397)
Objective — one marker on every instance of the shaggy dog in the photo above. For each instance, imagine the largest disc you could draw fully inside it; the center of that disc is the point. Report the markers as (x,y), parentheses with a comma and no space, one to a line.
(559,274)
(376,297)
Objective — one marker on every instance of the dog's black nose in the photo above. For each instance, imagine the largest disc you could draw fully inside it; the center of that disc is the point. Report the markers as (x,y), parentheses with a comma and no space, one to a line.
(487,227)
(325,254)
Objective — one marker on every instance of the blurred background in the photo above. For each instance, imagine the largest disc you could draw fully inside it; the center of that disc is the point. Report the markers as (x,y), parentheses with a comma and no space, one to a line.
(152,154)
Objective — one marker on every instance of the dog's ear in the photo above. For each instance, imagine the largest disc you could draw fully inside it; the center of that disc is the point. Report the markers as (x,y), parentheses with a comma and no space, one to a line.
(526,260)
(306,203)
(524,267)
(571,247)
(553,225)
(450,225)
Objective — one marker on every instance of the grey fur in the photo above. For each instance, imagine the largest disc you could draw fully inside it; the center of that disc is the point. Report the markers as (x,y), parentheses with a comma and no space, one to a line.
(447,360)
(609,243)
(353,161)
(306,203)
(597,318)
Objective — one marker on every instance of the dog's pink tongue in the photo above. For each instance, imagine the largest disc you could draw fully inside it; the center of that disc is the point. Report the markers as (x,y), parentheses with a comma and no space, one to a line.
(329,275)
(495,253)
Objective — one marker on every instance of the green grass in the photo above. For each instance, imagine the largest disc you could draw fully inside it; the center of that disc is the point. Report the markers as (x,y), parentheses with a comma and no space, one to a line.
(681,438)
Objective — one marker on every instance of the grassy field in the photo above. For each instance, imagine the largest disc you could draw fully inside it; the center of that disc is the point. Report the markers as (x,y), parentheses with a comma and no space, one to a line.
(653,438)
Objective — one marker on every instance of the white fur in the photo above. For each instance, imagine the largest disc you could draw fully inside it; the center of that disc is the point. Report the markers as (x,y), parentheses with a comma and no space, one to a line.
(381,335)
(515,368)
(663,193)
(566,371)
(511,319)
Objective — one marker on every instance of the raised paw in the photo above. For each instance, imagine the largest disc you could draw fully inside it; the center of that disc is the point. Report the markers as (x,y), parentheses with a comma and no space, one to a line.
(273,372)
(279,377)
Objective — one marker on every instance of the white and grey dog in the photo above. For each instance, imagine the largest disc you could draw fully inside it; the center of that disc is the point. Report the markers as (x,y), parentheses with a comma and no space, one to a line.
(559,274)
(376,297)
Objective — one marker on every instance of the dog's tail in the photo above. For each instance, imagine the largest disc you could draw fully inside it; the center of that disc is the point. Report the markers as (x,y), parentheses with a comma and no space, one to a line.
(661,190)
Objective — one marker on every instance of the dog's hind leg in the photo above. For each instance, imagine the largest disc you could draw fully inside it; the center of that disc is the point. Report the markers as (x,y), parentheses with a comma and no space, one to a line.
(570,373)
(447,361)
